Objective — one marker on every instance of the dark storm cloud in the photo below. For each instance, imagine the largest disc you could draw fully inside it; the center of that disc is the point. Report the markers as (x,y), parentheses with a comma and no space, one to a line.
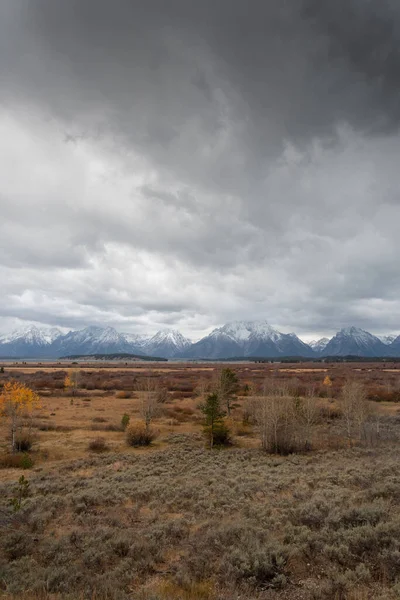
(237,159)
(292,69)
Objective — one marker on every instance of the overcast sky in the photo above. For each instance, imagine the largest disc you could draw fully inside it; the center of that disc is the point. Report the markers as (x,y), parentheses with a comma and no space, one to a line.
(175,163)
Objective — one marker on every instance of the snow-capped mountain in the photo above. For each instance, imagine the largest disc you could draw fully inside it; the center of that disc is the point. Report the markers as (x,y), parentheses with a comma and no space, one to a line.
(291,345)
(394,348)
(319,345)
(235,339)
(387,339)
(29,341)
(136,339)
(93,340)
(166,343)
(96,340)
(248,338)
(356,342)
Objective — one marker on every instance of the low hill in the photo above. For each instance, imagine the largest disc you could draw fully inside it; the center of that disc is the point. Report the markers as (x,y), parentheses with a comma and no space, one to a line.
(114,356)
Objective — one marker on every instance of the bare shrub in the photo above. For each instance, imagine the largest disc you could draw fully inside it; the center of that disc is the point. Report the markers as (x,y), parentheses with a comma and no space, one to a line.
(99,445)
(356,411)
(203,388)
(285,423)
(307,413)
(177,396)
(330,413)
(16,461)
(137,434)
(243,429)
(227,386)
(24,441)
(149,407)
(276,421)
(162,395)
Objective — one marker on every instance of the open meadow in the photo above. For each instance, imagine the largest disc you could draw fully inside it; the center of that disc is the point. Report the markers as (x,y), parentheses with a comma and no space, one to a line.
(299,498)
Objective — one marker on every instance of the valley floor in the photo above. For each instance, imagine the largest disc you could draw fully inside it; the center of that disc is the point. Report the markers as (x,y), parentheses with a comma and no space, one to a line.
(185,523)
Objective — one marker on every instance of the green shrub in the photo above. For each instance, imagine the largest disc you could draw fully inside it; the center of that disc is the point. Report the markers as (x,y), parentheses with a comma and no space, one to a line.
(261,567)
(125,421)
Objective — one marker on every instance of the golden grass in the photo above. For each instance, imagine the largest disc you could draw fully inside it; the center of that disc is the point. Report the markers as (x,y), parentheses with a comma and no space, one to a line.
(73,422)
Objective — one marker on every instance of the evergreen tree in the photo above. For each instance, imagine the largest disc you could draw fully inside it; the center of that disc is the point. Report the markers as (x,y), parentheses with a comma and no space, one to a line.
(214,424)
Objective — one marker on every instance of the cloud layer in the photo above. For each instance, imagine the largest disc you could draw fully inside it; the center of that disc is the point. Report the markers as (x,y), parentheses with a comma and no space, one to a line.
(184,164)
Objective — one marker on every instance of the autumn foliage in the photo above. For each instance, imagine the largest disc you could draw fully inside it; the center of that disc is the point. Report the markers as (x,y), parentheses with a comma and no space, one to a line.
(71,381)
(17,401)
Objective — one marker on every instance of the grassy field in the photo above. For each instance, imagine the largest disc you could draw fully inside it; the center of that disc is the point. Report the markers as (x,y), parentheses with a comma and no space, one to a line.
(178,521)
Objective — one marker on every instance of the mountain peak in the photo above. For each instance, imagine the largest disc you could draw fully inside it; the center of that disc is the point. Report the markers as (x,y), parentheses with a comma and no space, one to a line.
(248,338)
(387,339)
(319,345)
(234,339)
(32,334)
(243,330)
(352,331)
(29,340)
(354,341)
(167,342)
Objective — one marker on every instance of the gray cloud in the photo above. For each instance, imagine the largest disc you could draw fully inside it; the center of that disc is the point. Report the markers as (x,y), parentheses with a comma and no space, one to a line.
(188,163)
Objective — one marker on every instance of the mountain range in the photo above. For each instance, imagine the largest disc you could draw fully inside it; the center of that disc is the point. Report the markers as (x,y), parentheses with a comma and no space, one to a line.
(235,339)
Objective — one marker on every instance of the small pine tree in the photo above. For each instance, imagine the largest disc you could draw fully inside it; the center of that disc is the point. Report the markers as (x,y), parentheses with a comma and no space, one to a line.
(214,425)
(125,421)
(21,492)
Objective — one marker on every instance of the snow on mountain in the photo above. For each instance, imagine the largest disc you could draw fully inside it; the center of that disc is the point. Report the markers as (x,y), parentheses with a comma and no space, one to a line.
(356,342)
(29,341)
(93,340)
(394,348)
(319,345)
(32,334)
(136,339)
(290,345)
(166,343)
(248,338)
(235,339)
(32,341)
(242,331)
(387,339)
(98,340)
(217,344)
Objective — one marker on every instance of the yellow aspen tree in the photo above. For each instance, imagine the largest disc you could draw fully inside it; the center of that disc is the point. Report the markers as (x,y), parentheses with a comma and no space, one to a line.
(71,381)
(17,400)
